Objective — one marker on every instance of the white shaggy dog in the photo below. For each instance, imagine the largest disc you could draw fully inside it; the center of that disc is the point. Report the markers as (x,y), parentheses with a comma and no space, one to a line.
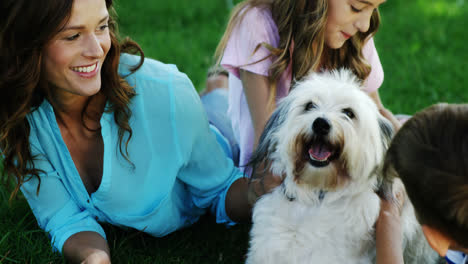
(327,139)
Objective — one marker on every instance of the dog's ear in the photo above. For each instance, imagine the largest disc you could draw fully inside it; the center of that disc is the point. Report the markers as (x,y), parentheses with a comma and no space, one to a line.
(267,143)
(387,175)
(384,188)
(386,131)
(385,182)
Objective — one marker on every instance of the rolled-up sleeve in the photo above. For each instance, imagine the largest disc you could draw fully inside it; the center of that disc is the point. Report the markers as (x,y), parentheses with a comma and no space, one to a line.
(208,172)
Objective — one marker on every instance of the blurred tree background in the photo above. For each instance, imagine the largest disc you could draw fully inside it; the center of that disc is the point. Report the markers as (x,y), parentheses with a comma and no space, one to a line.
(422,45)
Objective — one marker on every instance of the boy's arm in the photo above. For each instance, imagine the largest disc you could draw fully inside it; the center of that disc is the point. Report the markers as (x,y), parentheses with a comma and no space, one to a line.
(388,232)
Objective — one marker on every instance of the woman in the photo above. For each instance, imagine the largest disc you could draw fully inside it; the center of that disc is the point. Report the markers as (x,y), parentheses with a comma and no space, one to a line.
(90,134)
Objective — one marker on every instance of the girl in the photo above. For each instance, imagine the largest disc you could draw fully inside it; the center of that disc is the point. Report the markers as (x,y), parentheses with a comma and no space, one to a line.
(270,43)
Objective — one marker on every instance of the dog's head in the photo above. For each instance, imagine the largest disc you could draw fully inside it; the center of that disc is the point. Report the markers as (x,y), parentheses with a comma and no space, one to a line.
(325,134)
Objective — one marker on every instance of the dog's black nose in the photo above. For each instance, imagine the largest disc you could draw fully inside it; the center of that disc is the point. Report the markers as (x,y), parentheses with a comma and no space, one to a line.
(321,126)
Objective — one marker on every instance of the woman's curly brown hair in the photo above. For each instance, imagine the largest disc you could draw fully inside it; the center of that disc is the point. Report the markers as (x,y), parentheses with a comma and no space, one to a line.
(25,29)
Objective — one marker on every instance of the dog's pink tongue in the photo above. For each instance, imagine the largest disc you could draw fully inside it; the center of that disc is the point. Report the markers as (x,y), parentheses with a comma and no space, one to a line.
(319,152)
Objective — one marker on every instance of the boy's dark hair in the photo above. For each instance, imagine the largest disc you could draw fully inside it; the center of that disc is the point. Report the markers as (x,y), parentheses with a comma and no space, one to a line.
(430,155)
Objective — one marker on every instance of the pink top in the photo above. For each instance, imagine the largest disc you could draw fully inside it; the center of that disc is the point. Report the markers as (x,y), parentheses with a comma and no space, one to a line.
(258,27)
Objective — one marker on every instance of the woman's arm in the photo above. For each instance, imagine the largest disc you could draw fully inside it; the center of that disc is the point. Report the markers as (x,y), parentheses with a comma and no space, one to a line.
(385,112)
(86,247)
(238,207)
(243,194)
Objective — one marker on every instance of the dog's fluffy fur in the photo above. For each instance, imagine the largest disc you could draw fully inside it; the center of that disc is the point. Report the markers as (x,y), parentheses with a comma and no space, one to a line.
(327,138)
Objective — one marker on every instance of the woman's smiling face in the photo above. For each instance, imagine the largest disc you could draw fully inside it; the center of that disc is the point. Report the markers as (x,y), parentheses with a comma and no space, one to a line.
(73,58)
(346,18)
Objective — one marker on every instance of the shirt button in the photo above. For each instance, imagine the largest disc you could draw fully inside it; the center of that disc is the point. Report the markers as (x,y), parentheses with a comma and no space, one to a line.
(87,201)
(97,218)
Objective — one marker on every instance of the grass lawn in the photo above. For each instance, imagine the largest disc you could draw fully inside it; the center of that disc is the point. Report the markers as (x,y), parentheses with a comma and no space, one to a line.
(423,48)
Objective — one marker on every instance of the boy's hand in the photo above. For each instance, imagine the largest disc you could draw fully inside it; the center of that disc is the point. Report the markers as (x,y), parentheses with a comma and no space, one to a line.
(388,232)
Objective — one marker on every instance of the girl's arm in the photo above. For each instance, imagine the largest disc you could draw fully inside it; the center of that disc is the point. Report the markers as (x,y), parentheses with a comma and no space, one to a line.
(256,89)
(385,112)
(87,247)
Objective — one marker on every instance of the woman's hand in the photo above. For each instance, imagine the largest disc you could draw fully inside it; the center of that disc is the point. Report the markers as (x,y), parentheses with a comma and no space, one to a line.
(86,247)
(98,257)
(259,185)
(244,192)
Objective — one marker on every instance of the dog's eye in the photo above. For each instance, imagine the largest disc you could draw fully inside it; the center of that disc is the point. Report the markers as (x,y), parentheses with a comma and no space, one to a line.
(348,112)
(309,106)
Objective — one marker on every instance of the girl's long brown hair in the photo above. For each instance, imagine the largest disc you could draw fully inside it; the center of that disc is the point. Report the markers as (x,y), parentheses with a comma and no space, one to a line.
(26,27)
(303,21)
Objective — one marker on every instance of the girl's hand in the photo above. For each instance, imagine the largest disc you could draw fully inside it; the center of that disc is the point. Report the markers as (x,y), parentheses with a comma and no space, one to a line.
(385,112)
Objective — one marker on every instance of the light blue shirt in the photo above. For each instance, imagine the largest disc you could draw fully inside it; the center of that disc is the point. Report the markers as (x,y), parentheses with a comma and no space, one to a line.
(180,169)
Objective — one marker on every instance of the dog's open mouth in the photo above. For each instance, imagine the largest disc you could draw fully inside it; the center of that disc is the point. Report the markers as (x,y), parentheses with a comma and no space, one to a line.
(321,153)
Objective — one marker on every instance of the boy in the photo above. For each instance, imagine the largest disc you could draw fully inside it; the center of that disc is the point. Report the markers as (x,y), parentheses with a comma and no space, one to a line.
(430,155)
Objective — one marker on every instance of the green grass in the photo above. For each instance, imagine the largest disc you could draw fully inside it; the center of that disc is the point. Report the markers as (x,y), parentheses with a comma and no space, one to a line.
(21,241)
(179,32)
(423,48)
